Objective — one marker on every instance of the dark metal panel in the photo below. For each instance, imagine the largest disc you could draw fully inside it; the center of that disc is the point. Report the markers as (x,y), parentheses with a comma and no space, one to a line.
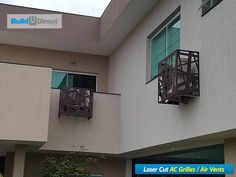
(76,102)
(178,77)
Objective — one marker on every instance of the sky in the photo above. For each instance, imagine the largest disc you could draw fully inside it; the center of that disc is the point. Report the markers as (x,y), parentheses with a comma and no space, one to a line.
(83,7)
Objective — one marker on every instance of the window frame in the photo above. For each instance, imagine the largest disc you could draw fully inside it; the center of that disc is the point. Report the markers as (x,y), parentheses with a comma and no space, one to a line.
(212,6)
(164,27)
(78,73)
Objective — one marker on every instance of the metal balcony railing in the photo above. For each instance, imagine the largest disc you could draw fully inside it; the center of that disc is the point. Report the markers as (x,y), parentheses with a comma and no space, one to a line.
(76,102)
(178,77)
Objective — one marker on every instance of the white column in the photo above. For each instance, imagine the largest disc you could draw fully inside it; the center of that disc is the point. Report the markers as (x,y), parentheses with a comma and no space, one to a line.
(19,161)
(128,168)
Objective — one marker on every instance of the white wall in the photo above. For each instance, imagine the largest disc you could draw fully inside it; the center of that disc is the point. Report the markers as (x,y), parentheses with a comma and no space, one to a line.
(146,123)
(59,60)
(24,105)
(100,134)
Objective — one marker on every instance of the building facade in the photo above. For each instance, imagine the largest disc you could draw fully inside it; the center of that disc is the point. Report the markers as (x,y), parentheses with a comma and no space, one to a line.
(118,56)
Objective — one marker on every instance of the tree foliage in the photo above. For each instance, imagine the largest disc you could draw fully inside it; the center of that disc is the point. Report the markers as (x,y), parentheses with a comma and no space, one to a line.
(70,165)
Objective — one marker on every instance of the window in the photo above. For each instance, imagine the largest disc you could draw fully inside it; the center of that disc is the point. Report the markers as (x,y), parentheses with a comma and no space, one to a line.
(207,5)
(164,43)
(68,79)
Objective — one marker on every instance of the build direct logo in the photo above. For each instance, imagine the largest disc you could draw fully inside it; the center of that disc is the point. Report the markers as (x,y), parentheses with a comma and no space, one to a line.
(34,21)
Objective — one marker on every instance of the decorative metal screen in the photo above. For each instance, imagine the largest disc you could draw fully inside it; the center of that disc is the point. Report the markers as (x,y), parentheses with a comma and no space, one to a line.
(76,102)
(178,77)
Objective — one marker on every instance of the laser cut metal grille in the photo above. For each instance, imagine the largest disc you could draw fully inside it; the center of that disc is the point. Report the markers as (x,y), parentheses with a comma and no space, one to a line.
(76,102)
(178,77)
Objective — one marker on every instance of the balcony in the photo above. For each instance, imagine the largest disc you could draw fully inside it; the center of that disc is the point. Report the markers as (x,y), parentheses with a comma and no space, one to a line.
(178,77)
(24,106)
(72,131)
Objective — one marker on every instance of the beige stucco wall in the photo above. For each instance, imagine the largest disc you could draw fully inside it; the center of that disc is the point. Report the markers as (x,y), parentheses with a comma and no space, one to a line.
(84,28)
(111,14)
(24,105)
(144,122)
(230,153)
(107,166)
(100,134)
(58,60)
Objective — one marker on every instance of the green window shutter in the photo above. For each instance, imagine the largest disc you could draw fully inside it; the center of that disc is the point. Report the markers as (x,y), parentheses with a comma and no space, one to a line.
(215,2)
(207,5)
(70,79)
(58,79)
(158,51)
(173,36)
(164,43)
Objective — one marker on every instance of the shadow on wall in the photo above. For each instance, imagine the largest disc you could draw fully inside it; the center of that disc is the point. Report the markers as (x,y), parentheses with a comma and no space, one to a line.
(186,110)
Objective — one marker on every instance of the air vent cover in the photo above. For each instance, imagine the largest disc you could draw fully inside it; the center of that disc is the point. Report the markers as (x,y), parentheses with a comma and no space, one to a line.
(178,77)
(76,102)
